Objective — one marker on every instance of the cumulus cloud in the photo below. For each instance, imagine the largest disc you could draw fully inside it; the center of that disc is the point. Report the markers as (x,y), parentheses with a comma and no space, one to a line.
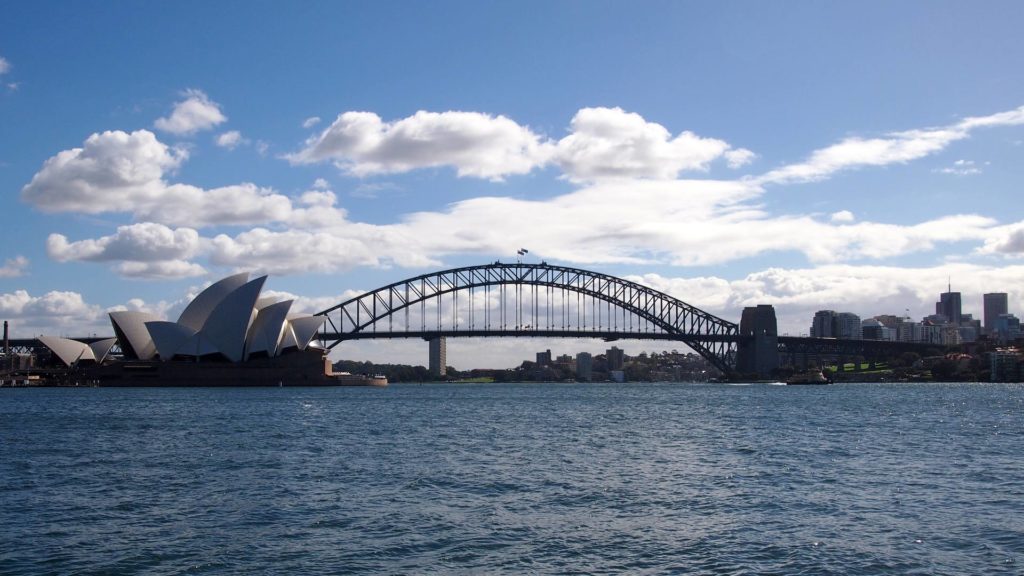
(303,252)
(160,270)
(14,267)
(145,250)
(142,242)
(119,172)
(894,148)
(112,171)
(603,143)
(196,112)
(612,143)
(311,121)
(182,204)
(5,66)
(230,139)
(56,312)
(476,144)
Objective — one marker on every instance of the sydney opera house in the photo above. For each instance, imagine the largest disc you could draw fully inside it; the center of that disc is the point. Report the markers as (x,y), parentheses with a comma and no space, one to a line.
(227,336)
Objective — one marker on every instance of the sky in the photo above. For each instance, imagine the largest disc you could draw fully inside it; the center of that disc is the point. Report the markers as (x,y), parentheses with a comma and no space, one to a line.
(809,155)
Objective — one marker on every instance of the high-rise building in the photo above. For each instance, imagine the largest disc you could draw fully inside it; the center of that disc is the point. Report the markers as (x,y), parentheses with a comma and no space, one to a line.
(847,326)
(584,366)
(995,304)
(544,358)
(438,356)
(823,323)
(616,358)
(949,306)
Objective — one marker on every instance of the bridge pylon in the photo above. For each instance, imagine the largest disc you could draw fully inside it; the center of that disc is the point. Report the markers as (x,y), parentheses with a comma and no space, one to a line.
(758,354)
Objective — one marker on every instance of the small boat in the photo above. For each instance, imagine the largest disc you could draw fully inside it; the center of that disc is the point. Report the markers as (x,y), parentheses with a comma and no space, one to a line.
(808,377)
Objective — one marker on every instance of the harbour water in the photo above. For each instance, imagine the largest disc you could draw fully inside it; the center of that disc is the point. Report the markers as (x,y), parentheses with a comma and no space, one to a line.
(514,478)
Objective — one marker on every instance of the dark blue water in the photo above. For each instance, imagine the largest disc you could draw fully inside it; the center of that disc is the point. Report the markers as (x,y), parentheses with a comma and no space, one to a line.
(521,478)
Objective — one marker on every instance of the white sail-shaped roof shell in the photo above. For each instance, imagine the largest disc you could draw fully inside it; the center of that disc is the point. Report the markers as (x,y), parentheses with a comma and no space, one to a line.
(266,330)
(198,311)
(101,348)
(169,337)
(69,351)
(301,330)
(228,323)
(130,328)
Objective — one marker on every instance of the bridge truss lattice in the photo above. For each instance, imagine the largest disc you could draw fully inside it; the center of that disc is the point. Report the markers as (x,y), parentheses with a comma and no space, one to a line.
(528,300)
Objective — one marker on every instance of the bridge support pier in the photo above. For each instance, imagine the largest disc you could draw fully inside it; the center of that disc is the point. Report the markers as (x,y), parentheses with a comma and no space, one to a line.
(758,354)
(438,356)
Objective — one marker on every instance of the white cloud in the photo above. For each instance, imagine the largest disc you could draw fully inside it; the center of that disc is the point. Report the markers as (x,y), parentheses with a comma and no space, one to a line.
(56,312)
(895,148)
(145,242)
(684,223)
(119,172)
(182,204)
(842,216)
(739,157)
(611,143)
(321,184)
(604,143)
(14,267)
(960,168)
(161,270)
(5,66)
(478,145)
(112,171)
(311,121)
(291,252)
(196,112)
(230,139)
(1005,240)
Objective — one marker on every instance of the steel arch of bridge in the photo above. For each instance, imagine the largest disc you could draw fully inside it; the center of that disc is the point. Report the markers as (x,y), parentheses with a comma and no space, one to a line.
(618,308)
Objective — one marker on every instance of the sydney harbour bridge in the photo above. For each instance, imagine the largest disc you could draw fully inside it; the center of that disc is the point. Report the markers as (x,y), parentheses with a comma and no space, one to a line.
(543,300)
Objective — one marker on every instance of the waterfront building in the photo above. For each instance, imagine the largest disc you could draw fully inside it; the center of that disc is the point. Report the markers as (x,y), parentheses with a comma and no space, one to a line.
(1006,365)
(438,357)
(227,335)
(848,326)
(832,324)
(1007,328)
(995,304)
(873,329)
(616,358)
(584,366)
(544,358)
(822,324)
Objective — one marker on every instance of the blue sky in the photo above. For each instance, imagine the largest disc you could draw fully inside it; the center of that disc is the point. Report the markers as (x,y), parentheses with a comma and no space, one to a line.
(809,155)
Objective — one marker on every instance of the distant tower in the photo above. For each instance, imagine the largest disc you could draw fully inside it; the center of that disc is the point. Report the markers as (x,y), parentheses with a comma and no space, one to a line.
(949,306)
(995,304)
(438,357)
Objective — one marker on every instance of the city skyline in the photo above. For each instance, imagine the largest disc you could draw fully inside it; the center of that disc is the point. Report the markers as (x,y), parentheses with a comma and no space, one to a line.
(810,157)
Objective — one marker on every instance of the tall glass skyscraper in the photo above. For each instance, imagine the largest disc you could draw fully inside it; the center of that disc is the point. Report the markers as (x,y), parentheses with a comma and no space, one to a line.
(995,304)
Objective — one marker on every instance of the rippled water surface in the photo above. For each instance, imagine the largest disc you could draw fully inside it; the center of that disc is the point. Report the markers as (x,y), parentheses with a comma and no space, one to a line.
(517,478)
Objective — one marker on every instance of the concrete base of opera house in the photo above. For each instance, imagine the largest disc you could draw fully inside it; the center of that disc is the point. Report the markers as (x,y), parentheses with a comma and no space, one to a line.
(308,367)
